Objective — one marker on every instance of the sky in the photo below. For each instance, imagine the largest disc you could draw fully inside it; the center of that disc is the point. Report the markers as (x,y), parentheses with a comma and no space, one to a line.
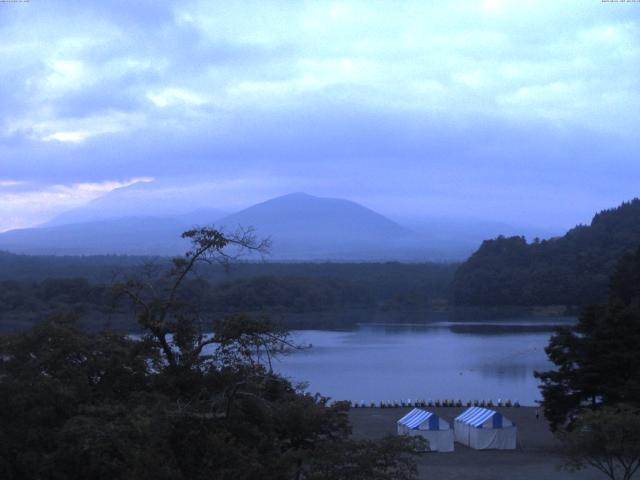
(517,111)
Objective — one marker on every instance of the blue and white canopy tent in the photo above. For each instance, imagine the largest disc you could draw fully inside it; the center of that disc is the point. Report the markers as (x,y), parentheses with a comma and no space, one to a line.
(431,427)
(483,429)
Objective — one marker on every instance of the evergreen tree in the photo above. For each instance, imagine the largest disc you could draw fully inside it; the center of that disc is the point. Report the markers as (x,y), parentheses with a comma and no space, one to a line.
(597,360)
(570,270)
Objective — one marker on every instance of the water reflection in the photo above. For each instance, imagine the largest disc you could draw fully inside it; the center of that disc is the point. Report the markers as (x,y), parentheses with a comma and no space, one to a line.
(465,360)
(500,329)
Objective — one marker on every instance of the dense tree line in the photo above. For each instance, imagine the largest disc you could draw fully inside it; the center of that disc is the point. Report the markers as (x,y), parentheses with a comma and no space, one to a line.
(95,268)
(298,294)
(383,277)
(569,270)
(314,288)
(178,403)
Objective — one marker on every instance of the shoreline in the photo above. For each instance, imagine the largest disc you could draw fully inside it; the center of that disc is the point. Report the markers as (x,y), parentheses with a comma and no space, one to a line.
(533,434)
(345,319)
(537,454)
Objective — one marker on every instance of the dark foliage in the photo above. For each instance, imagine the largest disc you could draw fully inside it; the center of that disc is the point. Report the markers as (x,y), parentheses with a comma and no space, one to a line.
(260,288)
(569,270)
(366,460)
(598,360)
(298,294)
(606,439)
(178,403)
(78,405)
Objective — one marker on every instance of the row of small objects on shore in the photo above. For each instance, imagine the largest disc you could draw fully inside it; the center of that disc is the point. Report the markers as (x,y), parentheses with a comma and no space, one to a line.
(436,403)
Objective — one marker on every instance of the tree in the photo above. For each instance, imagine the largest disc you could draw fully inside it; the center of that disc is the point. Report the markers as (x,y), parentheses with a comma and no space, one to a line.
(571,270)
(367,460)
(597,360)
(172,324)
(49,376)
(606,439)
(190,400)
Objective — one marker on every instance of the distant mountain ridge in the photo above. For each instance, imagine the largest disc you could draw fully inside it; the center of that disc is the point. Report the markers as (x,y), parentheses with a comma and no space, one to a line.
(302,227)
(570,270)
(147,219)
(119,236)
(140,199)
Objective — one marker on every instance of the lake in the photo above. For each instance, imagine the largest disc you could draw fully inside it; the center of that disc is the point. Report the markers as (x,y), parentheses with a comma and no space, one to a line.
(439,360)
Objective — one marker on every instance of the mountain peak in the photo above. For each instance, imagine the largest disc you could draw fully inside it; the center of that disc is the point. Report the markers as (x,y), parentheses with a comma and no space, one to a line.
(301,196)
(305,226)
(302,226)
(296,195)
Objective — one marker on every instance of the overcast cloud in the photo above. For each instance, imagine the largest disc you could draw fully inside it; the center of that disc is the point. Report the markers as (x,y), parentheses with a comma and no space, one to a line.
(522,111)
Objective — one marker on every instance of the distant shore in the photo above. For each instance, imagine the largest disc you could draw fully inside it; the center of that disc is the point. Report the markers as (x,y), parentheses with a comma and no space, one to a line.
(340,319)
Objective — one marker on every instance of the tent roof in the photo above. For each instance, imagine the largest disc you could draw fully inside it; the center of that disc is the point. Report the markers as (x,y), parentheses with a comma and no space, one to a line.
(475,416)
(415,418)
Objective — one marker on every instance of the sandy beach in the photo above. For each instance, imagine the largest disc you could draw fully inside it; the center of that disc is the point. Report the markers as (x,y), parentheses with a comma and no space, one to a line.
(535,458)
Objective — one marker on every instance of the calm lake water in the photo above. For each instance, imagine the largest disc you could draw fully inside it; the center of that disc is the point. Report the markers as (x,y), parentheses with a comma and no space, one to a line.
(452,360)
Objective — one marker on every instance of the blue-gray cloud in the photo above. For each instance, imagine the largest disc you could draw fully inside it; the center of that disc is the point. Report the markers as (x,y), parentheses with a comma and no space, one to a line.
(490,109)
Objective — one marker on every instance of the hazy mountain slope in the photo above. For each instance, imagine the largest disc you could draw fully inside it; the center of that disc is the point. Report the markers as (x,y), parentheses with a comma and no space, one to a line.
(573,269)
(458,238)
(302,226)
(141,199)
(144,218)
(131,235)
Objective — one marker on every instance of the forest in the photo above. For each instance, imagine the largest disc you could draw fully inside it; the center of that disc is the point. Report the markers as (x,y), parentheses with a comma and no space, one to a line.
(31,287)
(184,401)
(570,270)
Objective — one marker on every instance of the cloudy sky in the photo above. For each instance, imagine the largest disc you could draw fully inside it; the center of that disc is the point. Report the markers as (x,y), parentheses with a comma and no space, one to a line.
(522,111)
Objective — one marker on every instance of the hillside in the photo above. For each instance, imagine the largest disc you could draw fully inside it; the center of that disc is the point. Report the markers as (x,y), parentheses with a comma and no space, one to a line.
(304,227)
(141,200)
(147,219)
(128,235)
(569,270)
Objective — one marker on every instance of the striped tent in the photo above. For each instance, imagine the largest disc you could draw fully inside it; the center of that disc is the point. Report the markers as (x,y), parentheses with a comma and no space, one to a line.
(430,426)
(482,429)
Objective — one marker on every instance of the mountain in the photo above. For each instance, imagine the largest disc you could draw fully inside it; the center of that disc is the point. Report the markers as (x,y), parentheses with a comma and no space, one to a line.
(304,227)
(141,199)
(129,235)
(147,219)
(301,226)
(570,270)
(144,218)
